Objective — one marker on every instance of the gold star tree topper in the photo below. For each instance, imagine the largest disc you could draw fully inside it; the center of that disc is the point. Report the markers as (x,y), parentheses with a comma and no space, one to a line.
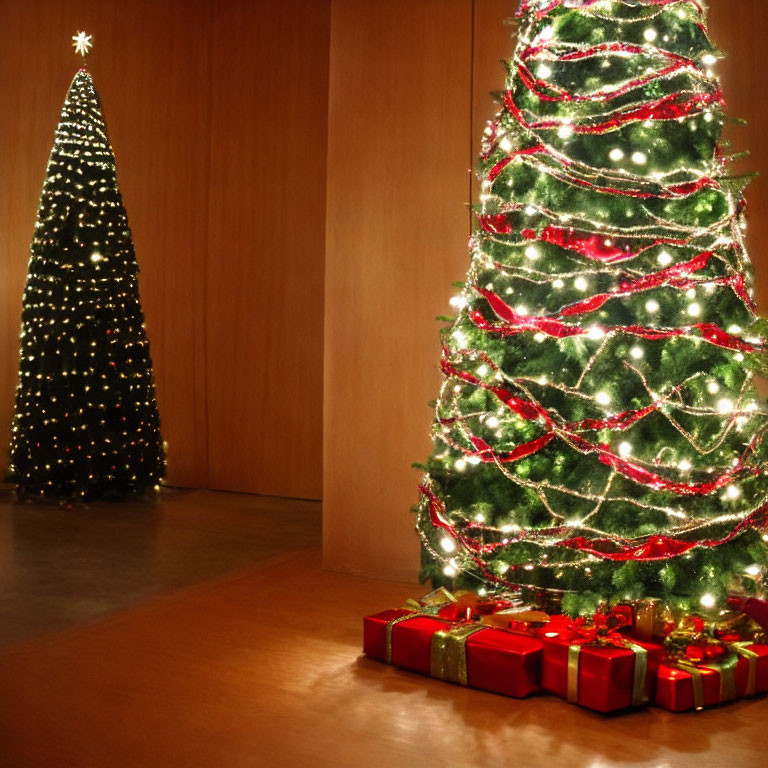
(82,43)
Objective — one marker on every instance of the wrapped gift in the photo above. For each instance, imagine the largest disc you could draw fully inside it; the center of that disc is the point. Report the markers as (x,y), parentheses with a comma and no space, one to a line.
(650,618)
(465,653)
(682,686)
(604,675)
(751,668)
(754,608)
(377,630)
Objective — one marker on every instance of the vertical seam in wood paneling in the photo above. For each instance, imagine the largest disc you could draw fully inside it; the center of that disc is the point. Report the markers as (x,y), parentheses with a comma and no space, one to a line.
(471,109)
(325,247)
(211,15)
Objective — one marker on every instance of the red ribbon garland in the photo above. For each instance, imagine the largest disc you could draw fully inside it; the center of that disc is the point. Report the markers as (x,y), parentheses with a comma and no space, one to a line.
(651,548)
(515,323)
(527,5)
(666,108)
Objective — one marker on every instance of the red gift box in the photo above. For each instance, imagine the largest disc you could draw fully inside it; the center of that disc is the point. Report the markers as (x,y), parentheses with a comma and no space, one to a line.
(687,686)
(751,669)
(603,677)
(466,653)
(375,629)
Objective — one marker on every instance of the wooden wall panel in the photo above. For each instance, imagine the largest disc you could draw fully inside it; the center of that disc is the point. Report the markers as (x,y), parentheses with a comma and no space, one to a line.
(493,43)
(740,28)
(218,116)
(266,245)
(150,69)
(399,136)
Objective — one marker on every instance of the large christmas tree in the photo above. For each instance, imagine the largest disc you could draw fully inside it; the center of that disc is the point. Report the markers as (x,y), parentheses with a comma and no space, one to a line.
(85,422)
(598,435)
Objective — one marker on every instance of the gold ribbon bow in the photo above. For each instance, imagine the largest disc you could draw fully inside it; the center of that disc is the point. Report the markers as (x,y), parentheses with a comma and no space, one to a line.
(437,598)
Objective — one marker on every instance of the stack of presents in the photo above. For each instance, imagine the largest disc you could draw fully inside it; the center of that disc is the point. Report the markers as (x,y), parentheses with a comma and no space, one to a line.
(630,655)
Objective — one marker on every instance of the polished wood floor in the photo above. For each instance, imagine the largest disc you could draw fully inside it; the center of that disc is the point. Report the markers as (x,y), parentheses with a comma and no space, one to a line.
(259,665)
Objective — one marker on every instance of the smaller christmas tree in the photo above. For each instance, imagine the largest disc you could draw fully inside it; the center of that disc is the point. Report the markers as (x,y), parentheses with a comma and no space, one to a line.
(85,422)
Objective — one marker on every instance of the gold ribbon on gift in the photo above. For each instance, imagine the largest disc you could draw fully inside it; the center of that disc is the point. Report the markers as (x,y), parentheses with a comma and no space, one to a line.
(390,626)
(727,671)
(449,653)
(698,688)
(747,653)
(574,654)
(639,687)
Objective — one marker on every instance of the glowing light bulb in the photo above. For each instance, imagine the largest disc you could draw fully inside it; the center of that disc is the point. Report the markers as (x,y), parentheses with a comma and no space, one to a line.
(709,59)
(713,387)
(650,34)
(664,259)
(694,310)
(474,460)
(725,405)
(505,144)
(565,131)
(543,71)
(639,158)
(691,293)
(460,465)
(547,33)
(483,370)
(448,544)
(581,284)
(753,570)
(684,465)
(530,210)
(708,601)
(492,422)
(531,252)
(652,305)
(636,352)
(616,154)
(458,301)
(558,283)
(734,329)
(96,257)
(539,337)
(449,571)
(521,309)
(625,449)
(733,492)
(603,398)
(596,332)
